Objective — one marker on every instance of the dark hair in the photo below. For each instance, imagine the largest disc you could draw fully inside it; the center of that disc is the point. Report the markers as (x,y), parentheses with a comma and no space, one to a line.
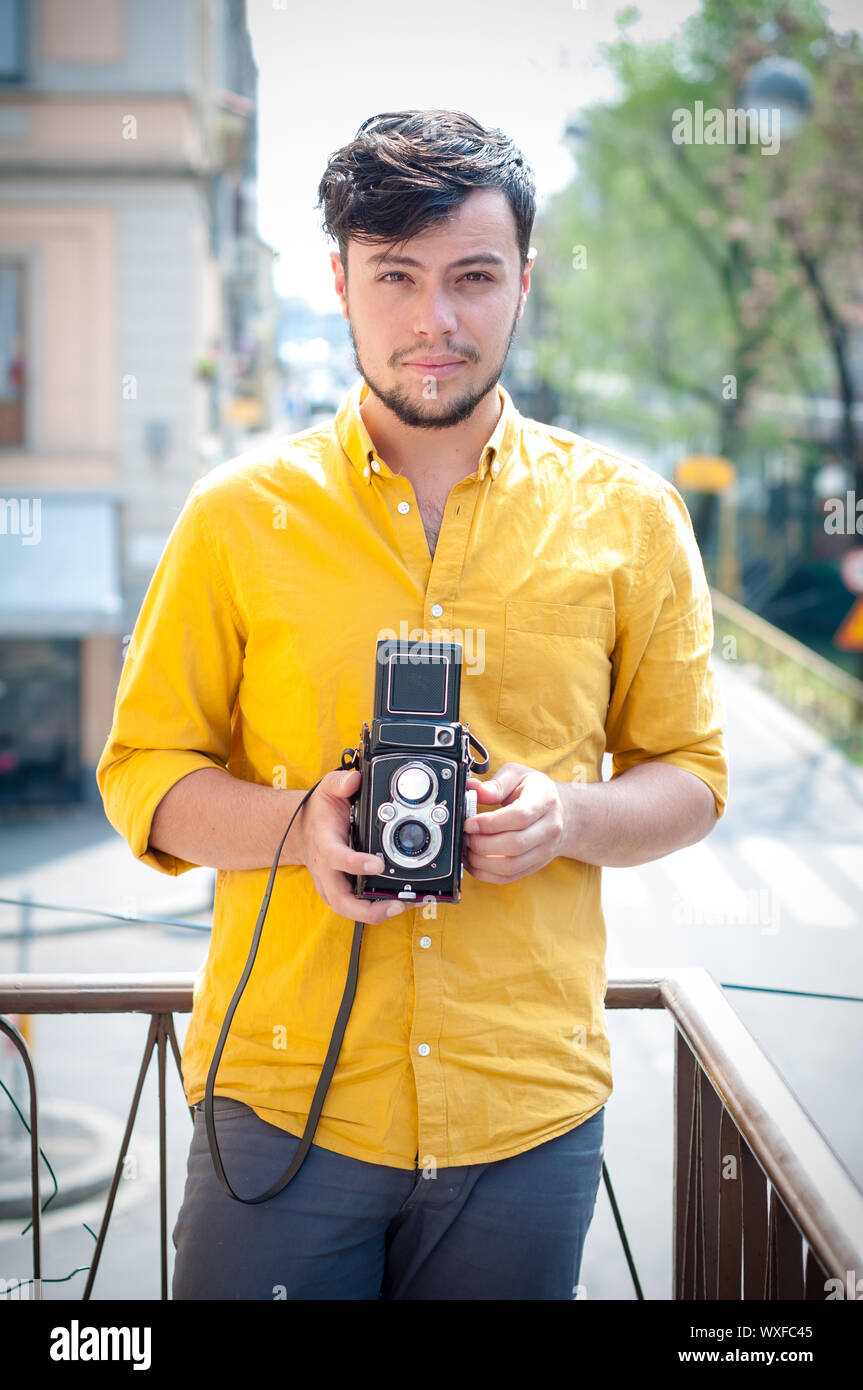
(407,170)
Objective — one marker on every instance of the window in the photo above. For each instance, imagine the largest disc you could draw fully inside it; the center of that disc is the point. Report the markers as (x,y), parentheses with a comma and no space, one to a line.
(12,40)
(11,355)
(40,752)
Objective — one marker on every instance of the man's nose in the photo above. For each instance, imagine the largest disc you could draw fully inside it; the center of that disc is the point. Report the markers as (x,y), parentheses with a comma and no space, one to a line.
(434,312)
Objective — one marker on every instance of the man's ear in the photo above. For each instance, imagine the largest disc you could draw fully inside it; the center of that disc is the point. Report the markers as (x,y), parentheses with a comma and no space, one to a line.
(525,281)
(340,281)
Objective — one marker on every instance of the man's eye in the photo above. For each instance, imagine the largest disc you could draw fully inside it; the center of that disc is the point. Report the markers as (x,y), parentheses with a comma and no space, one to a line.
(480,274)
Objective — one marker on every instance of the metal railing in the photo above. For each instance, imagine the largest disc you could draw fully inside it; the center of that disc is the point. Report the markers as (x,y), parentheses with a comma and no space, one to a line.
(823,694)
(763,1206)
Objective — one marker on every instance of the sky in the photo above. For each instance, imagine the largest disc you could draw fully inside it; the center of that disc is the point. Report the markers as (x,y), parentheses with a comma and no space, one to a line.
(324,68)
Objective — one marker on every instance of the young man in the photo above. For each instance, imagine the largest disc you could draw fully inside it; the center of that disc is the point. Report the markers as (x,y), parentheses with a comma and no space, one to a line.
(459,1151)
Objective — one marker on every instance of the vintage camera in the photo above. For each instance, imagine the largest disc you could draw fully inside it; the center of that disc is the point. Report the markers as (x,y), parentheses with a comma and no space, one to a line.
(415,760)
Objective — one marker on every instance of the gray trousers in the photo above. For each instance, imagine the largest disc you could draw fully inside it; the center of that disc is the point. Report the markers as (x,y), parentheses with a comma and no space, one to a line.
(346,1229)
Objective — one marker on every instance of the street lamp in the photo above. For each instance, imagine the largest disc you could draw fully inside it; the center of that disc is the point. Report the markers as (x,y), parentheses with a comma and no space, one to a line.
(783,85)
(574,134)
(779,83)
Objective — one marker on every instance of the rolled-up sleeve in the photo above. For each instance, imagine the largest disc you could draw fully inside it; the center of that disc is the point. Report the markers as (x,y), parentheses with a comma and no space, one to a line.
(665,705)
(178,688)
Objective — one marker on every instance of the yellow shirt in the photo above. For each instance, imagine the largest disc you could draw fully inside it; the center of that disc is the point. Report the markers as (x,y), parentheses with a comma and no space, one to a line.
(572,578)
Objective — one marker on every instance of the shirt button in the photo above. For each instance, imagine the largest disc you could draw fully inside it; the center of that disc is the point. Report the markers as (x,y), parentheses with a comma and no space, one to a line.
(424,1049)
(376,468)
(404,507)
(436,610)
(365,472)
(494,469)
(425,942)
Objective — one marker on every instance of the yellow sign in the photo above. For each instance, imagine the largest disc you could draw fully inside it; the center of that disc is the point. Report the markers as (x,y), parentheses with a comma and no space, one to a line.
(849,635)
(244,410)
(705,473)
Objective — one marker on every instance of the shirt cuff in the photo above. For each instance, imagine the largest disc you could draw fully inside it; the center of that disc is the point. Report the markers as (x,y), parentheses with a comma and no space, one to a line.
(709,767)
(146,776)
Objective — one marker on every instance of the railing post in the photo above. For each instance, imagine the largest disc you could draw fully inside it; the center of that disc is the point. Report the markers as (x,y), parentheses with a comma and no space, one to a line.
(684,1101)
(711,1125)
(115,1182)
(164,1023)
(730,1244)
(19,1084)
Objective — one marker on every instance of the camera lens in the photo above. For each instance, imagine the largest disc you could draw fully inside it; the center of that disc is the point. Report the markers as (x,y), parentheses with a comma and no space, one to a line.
(411,837)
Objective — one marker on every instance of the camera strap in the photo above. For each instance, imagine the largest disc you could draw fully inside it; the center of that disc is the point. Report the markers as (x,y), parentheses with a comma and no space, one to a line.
(329,1061)
(484,762)
(349,759)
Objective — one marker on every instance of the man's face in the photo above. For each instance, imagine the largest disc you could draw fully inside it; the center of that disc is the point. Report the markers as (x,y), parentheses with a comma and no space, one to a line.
(454,294)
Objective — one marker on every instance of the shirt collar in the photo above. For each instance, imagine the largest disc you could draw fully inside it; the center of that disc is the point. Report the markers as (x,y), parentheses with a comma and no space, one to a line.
(357,442)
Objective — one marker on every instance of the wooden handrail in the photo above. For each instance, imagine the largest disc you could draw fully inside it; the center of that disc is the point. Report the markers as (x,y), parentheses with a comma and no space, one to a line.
(810,1179)
(786,645)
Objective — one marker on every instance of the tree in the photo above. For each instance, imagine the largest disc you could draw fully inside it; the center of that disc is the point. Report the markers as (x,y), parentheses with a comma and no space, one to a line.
(713,269)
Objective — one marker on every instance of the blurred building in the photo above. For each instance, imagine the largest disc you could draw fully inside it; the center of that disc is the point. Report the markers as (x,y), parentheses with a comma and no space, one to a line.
(137,332)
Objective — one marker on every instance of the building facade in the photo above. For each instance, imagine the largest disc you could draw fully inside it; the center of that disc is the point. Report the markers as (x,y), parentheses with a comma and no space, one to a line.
(133,290)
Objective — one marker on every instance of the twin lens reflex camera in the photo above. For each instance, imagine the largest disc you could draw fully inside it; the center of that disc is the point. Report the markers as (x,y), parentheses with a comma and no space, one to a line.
(415,760)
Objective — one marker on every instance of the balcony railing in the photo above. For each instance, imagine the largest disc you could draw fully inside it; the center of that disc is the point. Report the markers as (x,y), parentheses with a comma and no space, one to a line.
(763,1206)
(823,694)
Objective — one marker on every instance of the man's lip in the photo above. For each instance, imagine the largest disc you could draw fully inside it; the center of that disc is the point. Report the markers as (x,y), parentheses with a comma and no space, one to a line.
(436,366)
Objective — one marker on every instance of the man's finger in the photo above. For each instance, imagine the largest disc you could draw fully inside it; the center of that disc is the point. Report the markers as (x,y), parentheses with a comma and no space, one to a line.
(338,855)
(518,816)
(343,901)
(508,842)
(505,781)
(502,784)
(505,870)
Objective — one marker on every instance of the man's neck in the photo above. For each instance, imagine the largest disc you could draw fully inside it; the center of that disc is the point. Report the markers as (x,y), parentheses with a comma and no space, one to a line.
(422,455)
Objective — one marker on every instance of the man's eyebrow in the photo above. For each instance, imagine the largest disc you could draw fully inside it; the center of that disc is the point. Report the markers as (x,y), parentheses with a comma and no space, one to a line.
(481,258)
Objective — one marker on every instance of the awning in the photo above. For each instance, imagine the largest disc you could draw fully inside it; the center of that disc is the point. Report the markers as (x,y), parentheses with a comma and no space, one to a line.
(59,566)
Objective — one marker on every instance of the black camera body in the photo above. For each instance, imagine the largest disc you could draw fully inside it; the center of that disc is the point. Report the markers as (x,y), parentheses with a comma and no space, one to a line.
(415,760)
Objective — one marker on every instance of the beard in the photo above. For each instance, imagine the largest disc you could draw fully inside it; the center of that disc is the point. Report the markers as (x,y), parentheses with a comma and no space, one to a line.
(404,406)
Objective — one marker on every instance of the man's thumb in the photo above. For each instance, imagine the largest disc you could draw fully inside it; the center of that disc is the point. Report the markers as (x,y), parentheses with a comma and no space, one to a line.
(497,788)
(346,783)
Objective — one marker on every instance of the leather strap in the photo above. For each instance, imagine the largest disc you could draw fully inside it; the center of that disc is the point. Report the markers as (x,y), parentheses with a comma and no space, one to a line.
(338,1030)
(329,1062)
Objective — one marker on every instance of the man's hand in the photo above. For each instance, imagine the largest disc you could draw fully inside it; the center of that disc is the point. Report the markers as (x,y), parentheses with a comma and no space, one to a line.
(642,814)
(324,843)
(527,832)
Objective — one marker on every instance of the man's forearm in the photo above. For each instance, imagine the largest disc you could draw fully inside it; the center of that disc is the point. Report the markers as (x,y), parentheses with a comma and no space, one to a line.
(647,812)
(212,818)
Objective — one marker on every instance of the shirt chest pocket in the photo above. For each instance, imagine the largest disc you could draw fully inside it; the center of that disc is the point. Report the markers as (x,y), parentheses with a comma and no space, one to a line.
(556,672)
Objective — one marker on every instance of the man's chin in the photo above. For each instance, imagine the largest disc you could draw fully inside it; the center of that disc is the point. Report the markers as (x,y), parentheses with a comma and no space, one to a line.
(433,415)
(421,412)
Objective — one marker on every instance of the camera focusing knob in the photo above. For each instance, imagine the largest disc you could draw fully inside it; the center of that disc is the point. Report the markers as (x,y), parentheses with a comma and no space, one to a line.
(469,804)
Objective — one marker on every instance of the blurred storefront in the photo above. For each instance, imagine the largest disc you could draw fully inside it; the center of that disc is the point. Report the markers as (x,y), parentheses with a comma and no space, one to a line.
(136,305)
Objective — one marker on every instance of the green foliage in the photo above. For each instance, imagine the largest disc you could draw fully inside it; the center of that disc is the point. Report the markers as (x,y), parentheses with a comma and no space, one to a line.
(706,262)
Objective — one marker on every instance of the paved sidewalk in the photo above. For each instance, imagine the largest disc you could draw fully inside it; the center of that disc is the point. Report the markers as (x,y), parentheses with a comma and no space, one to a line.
(73,857)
